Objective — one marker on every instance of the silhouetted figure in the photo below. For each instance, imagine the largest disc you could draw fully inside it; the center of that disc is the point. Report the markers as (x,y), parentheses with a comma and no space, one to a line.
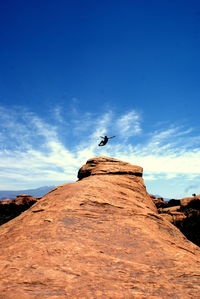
(105,140)
(194,194)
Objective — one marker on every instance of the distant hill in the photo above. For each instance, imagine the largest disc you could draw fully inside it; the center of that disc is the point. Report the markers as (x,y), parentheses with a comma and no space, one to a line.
(38,192)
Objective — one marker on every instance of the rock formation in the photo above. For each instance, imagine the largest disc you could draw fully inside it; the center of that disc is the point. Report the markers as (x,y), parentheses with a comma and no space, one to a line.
(185,214)
(190,202)
(100,237)
(158,201)
(11,208)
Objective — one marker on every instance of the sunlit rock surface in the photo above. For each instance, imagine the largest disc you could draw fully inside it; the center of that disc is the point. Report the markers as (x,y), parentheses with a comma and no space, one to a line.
(100,237)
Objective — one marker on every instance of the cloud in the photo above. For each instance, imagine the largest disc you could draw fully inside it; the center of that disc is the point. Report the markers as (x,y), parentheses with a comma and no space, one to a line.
(34,152)
(57,111)
(129,124)
(192,188)
(102,125)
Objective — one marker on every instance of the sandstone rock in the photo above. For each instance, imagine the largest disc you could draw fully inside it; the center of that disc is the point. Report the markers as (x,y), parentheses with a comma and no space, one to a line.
(10,208)
(170,209)
(190,225)
(106,165)
(173,216)
(168,217)
(173,203)
(24,199)
(186,217)
(191,202)
(100,237)
(5,201)
(158,201)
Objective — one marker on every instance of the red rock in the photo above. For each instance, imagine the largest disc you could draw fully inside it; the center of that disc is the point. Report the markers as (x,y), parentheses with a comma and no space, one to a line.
(173,203)
(173,217)
(167,216)
(186,217)
(24,199)
(20,199)
(158,201)
(172,214)
(170,209)
(10,208)
(100,237)
(111,166)
(5,201)
(191,202)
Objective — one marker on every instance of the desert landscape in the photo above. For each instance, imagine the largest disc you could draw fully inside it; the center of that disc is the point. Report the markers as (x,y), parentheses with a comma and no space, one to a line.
(99,237)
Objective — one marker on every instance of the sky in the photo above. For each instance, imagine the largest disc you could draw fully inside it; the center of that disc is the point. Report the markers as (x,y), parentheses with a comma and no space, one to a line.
(74,70)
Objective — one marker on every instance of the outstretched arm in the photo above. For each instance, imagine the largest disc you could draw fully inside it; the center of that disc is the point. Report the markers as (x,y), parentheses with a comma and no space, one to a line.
(101,136)
(111,137)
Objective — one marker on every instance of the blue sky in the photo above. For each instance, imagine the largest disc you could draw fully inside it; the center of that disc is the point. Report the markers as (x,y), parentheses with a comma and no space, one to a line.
(71,71)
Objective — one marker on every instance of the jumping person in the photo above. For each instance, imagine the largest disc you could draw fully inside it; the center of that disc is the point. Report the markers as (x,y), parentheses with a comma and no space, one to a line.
(105,140)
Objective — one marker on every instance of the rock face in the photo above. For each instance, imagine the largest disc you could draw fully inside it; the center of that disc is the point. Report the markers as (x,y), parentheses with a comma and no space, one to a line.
(185,214)
(104,165)
(11,208)
(100,237)
(191,202)
(158,201)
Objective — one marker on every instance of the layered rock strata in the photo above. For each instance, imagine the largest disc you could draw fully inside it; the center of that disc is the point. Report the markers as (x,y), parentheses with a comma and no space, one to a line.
(100,237)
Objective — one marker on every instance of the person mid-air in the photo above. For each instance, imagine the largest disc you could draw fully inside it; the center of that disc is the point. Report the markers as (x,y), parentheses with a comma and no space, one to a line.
(105,140)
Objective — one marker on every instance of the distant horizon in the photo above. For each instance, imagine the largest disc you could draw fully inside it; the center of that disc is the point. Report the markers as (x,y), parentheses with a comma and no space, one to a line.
(37,192)
(41,187)
(47,187)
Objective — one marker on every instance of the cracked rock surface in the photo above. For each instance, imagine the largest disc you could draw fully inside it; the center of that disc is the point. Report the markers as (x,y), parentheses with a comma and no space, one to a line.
(100,237)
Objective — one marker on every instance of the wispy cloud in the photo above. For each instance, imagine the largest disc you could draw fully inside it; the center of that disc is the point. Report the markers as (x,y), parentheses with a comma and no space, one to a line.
(102,124)
(33,151)
(129,124)
(57,112)
(191,188)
